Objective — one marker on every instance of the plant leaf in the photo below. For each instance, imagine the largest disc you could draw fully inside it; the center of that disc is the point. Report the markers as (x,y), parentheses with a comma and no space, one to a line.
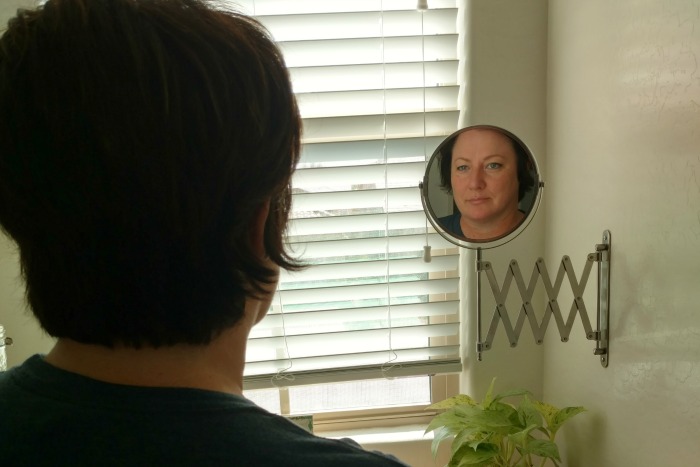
(555,417)
(562,416)
(491,420)
(468,456)
(543,448)
(547,411)
(511,393)
(528,413)
(466,436)
(450,420)
(439,435)
(523,437)
(488,398)
(460,399)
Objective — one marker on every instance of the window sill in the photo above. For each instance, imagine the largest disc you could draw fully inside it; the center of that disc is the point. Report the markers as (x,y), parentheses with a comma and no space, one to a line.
(382,435)
(408,443)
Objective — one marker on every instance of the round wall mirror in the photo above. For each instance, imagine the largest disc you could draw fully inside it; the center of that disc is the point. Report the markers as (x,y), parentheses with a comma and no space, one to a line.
(481,187)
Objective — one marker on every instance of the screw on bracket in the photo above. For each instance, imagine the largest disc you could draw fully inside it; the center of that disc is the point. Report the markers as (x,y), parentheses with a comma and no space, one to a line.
(595,257)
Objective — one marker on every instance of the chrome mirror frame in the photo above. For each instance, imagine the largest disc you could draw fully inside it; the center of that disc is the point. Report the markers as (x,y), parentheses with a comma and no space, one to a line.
(431,193)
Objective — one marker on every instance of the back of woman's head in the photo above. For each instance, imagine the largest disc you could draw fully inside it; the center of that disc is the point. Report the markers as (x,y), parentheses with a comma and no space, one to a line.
(138,139)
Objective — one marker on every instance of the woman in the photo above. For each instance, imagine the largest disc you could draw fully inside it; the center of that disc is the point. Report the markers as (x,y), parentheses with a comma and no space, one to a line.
(486,171)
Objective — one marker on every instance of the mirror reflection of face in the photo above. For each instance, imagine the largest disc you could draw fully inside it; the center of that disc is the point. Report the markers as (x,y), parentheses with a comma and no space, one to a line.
(484,179)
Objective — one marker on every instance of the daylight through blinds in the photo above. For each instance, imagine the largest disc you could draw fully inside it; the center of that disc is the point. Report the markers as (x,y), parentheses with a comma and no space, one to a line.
(376,82)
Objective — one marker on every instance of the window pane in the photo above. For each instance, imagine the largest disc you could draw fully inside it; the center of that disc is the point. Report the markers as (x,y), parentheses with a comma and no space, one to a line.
(358,395)
(268,399)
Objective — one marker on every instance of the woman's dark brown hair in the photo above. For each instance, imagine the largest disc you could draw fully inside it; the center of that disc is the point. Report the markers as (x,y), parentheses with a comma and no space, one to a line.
(138,139)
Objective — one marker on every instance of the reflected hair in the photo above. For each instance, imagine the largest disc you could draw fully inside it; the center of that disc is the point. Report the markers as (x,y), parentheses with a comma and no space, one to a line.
(525,179)
(138,141)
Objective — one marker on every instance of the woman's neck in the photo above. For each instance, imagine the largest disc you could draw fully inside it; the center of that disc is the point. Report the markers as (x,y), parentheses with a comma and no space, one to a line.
(217,366)
(497,228)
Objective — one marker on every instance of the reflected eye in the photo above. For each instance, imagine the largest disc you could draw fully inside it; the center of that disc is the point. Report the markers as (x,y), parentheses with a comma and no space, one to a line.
(494,165)
(461,168)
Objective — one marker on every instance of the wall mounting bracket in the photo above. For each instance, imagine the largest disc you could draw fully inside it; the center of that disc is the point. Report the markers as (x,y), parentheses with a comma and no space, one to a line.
(500,293)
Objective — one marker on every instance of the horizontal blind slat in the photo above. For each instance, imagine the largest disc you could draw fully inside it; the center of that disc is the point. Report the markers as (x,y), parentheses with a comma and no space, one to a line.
(327,179)
(357,226)
(373,50)
(376,101)
(368,127)
(347,342)
(319,251)
(273,323)
(353,153)
(268,379)
(366,201)
(352,78)
(262,8)
(370,269)
(359,295)
(363,24)
(349,361)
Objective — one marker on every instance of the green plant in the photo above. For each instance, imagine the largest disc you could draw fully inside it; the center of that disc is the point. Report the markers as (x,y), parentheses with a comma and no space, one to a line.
(497,433)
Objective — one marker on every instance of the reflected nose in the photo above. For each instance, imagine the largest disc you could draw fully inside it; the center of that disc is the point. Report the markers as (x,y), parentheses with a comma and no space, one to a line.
(476,179)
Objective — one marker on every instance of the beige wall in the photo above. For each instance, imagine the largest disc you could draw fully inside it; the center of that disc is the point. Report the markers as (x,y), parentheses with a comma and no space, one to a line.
(505,43)
(624,154)
(620,150)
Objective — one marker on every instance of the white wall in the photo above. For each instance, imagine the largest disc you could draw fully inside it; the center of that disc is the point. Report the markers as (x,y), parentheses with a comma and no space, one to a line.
(621,151)
(624,154)
(505,85)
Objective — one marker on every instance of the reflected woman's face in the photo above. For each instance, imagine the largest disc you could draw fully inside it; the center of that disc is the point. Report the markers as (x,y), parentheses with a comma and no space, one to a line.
(484,180)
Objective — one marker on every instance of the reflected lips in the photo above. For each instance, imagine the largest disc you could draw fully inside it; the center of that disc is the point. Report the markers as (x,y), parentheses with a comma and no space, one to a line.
(477,200)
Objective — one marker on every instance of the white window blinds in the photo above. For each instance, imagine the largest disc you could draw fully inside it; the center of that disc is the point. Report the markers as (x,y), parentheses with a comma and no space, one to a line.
(376,81)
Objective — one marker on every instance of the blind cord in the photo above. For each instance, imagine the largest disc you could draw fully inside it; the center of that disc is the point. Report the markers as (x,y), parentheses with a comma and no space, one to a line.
(281,373)
(422,6)
(388,365)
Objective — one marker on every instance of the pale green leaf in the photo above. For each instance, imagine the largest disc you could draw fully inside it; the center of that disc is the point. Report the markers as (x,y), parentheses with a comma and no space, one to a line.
(547,410)
(439,435)
(488,398)
(467,456)
(542,448)
(466,436)
(450,420)
(491,420)
(511,393)
(460,399)
(562,416)
(528,413)
(521,438)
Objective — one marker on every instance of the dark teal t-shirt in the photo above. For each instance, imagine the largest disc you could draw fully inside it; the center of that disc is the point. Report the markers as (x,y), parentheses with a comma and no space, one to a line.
(49,416)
